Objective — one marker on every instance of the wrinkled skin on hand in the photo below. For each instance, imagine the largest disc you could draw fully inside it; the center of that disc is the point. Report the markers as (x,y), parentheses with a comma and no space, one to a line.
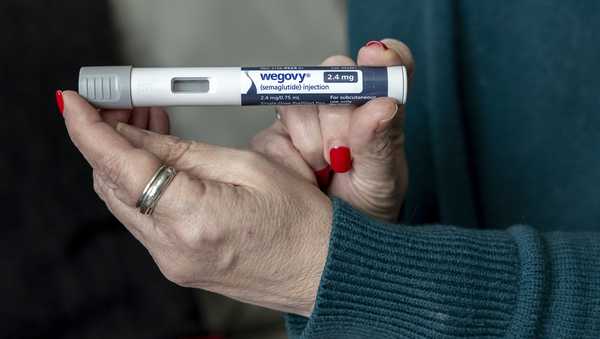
(248,224)
(304,135)
(231,222)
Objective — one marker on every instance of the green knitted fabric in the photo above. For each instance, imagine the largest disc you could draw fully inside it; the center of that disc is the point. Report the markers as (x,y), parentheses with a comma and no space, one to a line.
(502,130)
(395,281)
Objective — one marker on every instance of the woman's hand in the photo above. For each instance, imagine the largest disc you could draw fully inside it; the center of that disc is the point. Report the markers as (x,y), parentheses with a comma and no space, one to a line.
(231,222)
(307,139)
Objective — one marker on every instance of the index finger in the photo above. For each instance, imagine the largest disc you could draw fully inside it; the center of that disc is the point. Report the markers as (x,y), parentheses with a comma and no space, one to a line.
(106,150)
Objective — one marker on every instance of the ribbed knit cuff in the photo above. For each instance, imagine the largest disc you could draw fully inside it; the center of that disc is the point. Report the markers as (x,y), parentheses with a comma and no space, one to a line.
(389,281)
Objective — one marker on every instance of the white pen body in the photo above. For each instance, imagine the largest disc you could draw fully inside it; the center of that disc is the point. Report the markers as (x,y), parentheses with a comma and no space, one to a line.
(185,86)
(127,87)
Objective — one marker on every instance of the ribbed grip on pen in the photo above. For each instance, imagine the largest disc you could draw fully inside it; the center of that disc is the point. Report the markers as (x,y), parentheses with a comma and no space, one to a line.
(106,86)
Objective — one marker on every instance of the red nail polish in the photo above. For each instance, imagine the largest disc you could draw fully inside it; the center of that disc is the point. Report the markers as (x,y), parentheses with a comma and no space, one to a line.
(60,102)
(323,177)
(341,160)
(375,43)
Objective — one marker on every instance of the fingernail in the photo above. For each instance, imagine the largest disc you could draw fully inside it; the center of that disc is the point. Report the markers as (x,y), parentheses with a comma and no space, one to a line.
(375,43)
(341,160)
(323,177)
(383,124)
(60,102)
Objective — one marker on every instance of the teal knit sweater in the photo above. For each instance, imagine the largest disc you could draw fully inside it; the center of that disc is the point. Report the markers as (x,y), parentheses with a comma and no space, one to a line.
(500,235)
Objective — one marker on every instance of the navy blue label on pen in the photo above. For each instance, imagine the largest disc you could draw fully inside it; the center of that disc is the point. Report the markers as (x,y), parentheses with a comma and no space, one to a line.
(296,85)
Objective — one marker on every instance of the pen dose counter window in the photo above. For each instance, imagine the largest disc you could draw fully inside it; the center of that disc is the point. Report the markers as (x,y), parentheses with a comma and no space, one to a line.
(190,85)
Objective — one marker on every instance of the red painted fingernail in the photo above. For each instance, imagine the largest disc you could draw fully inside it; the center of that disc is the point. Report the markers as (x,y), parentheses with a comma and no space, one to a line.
(341,160)
(375,43)
(60,102)
(323,177)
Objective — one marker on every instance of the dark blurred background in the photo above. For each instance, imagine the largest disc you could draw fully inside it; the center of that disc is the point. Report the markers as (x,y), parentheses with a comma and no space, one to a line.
(70,270)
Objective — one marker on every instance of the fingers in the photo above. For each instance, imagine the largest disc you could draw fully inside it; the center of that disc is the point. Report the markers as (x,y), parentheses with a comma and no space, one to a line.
(387,52)
(201,160)
(275,143)
(122,170)
(302,124)
(113,117)
(159,121)
(95,138)
(135,222)
(109,153)
(140,117)
(184,198)
(335,123)
(154,119)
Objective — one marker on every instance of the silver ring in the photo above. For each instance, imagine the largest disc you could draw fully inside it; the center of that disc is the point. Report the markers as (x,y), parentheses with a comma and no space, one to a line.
(155,188)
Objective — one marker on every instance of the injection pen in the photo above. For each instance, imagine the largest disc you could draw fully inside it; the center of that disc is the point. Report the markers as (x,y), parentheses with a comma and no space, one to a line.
(127,86)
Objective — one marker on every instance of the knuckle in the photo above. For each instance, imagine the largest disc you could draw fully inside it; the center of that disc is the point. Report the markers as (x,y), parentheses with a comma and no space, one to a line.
(278,147)
(259,141)
(175,274)
(257,166)
(225,261)
(211,237)
(200,238)
(177,149)
(77,134)
(310,148)
(339,59)
(120,173)
(313,156)
(250,161)
(99,188)
(382,148)
(386,104)
(174,266)
(388,144)
(188,237)
(111,167)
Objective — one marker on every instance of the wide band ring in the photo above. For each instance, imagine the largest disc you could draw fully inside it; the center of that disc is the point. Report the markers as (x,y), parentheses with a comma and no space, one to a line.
(155,188)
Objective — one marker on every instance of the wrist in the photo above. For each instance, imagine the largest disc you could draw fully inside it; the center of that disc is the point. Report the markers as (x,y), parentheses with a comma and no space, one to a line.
(314,255)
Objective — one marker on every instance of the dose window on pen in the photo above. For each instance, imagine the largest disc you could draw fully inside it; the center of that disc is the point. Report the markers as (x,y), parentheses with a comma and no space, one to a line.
(190,85)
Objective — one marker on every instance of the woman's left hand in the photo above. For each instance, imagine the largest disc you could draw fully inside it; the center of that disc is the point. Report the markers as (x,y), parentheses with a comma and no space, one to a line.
(231,221)
(368,140)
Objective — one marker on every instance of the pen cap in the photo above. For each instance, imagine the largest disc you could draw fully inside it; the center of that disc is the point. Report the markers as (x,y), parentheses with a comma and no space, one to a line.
(106,86)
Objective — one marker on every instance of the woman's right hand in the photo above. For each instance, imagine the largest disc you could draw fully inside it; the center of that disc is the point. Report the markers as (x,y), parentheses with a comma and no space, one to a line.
(314,139)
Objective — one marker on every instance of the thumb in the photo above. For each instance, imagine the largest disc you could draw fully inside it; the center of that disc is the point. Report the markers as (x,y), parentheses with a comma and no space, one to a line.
(377,133)
(377,141)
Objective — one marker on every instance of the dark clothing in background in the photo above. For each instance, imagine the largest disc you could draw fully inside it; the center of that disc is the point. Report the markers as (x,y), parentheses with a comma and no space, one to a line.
(503,140)
(69,269)
(504,111)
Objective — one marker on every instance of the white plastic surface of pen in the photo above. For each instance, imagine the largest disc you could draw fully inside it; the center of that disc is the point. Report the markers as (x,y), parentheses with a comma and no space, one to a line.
(127,87)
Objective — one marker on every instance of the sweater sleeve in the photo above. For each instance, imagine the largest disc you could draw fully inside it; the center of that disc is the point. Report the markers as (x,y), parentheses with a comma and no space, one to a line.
(393,281)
